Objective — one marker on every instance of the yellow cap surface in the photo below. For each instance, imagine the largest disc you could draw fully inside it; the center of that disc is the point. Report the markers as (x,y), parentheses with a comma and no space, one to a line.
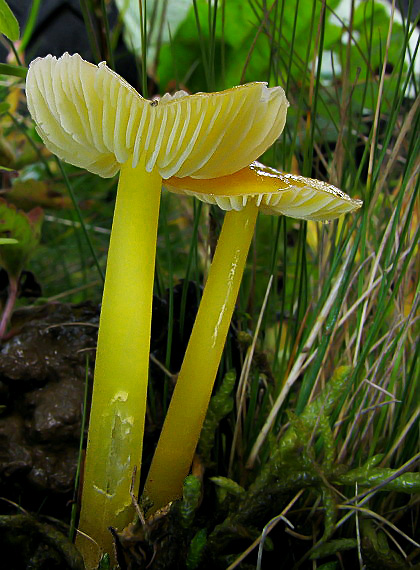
(275,193)
(91,117)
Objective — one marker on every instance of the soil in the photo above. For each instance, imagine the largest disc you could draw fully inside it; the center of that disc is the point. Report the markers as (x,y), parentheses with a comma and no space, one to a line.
(43,368)
(42,379)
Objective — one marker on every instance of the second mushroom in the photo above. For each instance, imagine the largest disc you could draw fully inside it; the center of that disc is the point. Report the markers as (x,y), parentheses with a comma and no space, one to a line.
(243,194)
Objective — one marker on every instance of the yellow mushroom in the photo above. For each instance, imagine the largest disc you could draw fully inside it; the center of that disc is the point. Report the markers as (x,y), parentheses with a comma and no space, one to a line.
(243,194)
(90,117)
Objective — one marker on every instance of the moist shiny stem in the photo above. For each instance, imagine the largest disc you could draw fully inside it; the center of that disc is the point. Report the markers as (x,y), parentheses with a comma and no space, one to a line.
(189,403)
(118,409)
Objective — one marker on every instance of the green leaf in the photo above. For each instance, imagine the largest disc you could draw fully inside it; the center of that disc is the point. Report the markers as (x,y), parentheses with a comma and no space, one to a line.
(405,483)
(328,566)
(195,550)
(15,70)
(162,19)
(334,546)
(229,485)
(105,562)
(26,229)
(8,241)
(4,107)
(8,24)
(220,405)
(191,494)
(27,193)
(370,29)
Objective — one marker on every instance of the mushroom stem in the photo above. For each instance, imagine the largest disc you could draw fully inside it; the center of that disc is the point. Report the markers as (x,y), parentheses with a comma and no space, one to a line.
(189,403)
(121,372)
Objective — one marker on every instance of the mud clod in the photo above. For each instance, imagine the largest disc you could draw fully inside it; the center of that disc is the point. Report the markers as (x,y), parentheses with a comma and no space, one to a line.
(42,379)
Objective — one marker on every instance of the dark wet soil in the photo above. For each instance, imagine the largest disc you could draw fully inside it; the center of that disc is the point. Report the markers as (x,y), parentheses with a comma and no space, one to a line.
(42,377)
(27,543)
(44,364)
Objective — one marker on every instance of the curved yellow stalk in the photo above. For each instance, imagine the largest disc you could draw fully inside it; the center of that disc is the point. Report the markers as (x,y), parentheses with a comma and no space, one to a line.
(191,396)
(121,371)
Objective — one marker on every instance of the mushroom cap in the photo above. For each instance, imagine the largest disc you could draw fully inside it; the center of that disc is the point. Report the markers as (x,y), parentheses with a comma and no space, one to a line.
(275,193)
(91,117)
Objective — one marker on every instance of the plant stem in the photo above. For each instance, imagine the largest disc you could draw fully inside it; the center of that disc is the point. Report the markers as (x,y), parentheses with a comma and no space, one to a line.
(188,407)
(121,372)
(30,25)
(10,303)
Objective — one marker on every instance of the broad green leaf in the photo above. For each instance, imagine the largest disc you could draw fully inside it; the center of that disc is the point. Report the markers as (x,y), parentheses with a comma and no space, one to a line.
(238,37)
(163,20)
(26,229)
(8,24)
